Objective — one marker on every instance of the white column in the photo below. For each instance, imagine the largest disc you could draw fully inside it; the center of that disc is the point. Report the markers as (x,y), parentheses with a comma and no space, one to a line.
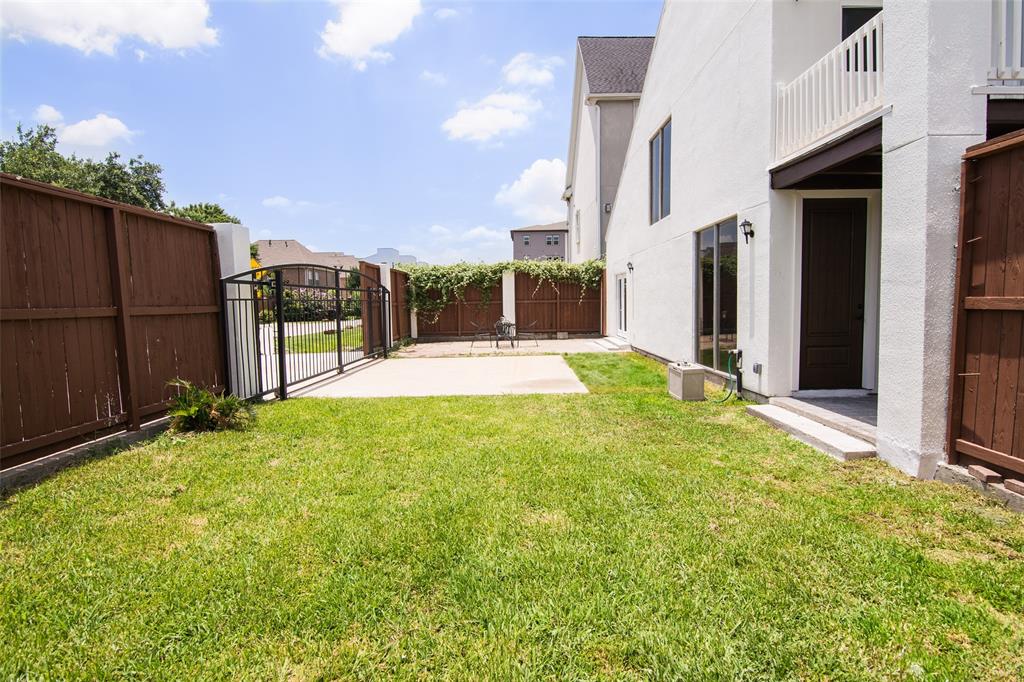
(508,295)
(934,53)
(233,246)
(385,281)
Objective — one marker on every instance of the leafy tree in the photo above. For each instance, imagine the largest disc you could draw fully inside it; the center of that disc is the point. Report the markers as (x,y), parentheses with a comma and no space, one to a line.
(33,154)
(203,213)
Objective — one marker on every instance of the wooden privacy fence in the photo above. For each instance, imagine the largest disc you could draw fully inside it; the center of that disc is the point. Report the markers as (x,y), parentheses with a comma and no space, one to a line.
(101,304)
(556,308)
(458,317)
(400,322)
(986,416)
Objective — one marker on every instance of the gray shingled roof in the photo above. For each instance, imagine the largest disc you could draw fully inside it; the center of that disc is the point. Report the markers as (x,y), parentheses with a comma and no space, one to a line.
(550,227)
(616,64)
(282,251)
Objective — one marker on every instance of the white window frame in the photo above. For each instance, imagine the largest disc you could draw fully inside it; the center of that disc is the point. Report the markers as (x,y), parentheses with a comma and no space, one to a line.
(622,304)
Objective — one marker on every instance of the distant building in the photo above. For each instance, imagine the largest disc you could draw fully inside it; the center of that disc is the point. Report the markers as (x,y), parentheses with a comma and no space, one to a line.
(540,242)
(273,252)
(390,257)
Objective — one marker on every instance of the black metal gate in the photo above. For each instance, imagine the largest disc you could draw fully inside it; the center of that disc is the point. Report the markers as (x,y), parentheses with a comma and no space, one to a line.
(288,324)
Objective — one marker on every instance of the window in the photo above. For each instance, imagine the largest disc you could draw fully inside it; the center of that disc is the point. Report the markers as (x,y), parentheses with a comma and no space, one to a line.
(526,240)
(661,173)
(577,227)
(620,302)
(716,294)
(551,240)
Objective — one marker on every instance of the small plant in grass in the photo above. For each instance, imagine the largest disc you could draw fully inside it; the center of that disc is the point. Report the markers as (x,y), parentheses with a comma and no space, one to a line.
(196,409)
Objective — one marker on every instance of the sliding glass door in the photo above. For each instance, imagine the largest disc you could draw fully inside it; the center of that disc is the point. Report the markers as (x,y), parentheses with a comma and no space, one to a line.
(716,294)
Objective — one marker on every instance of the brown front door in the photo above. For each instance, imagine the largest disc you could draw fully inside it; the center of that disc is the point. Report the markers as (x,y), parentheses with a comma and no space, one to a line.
(832,293)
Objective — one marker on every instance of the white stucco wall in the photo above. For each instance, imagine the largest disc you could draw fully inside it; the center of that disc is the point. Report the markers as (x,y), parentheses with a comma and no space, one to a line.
(934,53)
(585,182)
(709,72)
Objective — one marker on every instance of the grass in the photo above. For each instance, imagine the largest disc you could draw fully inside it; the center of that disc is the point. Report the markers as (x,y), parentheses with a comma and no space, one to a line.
(618,534)
(318,342)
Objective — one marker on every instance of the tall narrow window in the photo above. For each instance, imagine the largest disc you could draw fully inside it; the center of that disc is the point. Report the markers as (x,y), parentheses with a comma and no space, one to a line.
(716,294)
(661,173)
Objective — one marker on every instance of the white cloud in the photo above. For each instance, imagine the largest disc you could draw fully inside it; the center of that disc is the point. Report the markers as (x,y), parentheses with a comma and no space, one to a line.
(536,195)
(500,113)
(100,27)
(445,13)
(528,69)
(98,131)
(92,134)
(277,201)
(434,77)
(141,55)
(48,115)
(447,245)
(363,28)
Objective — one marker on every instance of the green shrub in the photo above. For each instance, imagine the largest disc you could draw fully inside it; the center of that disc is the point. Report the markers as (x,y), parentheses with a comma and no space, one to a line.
(197,409)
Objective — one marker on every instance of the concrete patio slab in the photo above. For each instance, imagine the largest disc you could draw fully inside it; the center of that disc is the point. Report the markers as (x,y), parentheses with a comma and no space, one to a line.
(494,375)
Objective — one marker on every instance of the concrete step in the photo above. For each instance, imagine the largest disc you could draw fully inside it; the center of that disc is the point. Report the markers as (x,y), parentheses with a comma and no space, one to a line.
(842,446)
(839,422)
(613,343)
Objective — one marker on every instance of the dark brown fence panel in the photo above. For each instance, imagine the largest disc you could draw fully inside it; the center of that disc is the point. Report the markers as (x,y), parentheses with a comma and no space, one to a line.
(986,417)
(556,308)
(458,317)
(100,305)
(371,310)
(400,305)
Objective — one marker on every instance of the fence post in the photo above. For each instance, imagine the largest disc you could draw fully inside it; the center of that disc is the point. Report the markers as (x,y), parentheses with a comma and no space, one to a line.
(385,304)
(508,295)
(282,357)
(240,322)
(339,326)
(125,338)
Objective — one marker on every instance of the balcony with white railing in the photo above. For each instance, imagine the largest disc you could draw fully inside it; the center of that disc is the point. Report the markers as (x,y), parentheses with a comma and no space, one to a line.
(1007,41)
(841,89)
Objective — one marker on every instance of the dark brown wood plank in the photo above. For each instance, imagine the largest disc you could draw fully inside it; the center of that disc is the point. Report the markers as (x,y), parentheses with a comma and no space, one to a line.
(991,456)
(55,313)
(125,332)
(994,303)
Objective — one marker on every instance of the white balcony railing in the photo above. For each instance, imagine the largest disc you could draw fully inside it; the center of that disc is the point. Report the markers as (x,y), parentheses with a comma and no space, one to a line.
(843,86)
(1007,40)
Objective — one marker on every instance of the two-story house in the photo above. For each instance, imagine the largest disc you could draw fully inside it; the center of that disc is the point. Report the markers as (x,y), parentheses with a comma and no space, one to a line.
(540,242)
(791,191)
(609,77)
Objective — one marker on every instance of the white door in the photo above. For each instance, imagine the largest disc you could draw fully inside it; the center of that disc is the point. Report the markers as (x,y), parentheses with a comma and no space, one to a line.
(621,298)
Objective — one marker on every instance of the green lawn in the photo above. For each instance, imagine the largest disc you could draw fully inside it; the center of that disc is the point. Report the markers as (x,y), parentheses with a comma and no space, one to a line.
(318,342)
(618,534)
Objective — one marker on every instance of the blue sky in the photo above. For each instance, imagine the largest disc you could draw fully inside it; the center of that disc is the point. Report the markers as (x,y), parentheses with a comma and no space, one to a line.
(432,127)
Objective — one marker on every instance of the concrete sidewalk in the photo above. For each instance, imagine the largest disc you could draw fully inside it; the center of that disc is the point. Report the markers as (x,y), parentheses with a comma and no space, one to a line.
(514,374)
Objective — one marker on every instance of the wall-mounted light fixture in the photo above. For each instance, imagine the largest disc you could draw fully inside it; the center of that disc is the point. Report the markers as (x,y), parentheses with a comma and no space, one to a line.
(629,266)
(748,231)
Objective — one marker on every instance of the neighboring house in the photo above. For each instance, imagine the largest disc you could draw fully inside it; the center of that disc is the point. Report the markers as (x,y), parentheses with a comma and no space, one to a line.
(389,257)
(272,252)
(609,77)
(540,242)
(787,194)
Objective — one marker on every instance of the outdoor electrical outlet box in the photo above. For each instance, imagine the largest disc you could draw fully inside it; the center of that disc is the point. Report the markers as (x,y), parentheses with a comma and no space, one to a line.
(686,381)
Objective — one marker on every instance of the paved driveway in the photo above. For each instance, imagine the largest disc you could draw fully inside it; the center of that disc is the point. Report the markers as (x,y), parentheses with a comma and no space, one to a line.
(450,376)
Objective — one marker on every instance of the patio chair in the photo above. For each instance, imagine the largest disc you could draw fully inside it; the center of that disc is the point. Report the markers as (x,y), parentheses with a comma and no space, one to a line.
(481,333)
(528,332)
(503,329)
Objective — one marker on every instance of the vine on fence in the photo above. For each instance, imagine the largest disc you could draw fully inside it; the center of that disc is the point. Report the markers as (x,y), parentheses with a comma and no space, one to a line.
(431,288)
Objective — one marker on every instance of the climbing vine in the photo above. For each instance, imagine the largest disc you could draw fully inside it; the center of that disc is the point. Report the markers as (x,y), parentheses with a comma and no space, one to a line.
(432,288)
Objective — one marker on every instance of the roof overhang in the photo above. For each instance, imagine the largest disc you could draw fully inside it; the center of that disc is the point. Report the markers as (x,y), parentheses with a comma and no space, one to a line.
(852,161)
(596,97)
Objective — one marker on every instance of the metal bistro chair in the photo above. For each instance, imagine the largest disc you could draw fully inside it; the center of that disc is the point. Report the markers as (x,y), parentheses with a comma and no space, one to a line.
(503,329)
(481,333)
(528,333)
